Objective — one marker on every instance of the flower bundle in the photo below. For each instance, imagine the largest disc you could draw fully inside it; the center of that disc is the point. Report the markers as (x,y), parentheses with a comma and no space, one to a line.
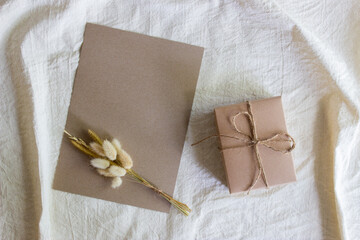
(112,161)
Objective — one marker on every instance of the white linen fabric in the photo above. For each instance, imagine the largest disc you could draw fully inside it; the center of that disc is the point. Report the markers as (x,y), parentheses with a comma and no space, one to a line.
(307,51)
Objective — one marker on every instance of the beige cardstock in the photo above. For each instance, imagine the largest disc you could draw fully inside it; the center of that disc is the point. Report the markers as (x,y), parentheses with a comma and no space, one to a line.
(140,90)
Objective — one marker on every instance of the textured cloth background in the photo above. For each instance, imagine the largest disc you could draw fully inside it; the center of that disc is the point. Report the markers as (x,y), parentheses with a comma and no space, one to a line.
(308,51)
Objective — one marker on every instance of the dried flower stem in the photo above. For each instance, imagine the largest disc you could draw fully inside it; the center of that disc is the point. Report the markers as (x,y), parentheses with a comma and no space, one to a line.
(183,208)
(85,148)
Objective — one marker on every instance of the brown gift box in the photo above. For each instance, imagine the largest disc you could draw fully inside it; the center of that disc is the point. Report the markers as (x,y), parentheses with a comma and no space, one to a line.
(240,163)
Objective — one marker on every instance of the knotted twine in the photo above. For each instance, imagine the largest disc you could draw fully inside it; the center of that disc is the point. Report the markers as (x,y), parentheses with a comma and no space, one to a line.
(252,140)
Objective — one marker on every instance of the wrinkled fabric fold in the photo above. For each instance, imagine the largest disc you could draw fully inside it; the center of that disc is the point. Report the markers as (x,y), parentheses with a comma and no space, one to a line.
(306,51)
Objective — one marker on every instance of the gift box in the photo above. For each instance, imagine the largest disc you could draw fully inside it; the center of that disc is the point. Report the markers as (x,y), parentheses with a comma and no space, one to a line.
(255,145)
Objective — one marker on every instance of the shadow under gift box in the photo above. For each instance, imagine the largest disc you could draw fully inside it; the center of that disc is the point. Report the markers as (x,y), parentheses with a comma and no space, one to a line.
(241,163)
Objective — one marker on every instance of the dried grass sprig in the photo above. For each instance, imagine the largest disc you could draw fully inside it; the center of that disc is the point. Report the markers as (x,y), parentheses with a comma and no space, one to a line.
(95,137)
(84,149)
(116,163)
(183,208)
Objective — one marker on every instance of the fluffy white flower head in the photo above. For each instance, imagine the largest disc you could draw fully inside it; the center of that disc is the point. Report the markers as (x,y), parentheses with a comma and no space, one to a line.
(116,182)
(125,159)
(109,150)
(105,173)
(116,144)
(117,171)
(100,163)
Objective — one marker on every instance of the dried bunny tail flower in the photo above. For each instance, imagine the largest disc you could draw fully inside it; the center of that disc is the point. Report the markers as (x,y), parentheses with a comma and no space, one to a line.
(125,159)
(109,150)
(97,148)
(117,171)
(116,182)
(100,163)
(116,144)
(123,156)
(105,173)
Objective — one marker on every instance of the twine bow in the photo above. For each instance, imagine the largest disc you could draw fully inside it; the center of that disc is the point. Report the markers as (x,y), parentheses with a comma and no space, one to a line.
(252,140)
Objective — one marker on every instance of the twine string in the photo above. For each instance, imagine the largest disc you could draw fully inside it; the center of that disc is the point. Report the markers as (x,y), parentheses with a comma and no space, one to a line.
(252,140)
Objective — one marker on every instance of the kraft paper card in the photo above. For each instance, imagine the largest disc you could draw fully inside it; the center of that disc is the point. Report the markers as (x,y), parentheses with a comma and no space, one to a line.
(140,90)
(240,163)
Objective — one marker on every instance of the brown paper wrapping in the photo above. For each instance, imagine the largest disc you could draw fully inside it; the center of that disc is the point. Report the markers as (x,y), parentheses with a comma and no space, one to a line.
(240,163)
